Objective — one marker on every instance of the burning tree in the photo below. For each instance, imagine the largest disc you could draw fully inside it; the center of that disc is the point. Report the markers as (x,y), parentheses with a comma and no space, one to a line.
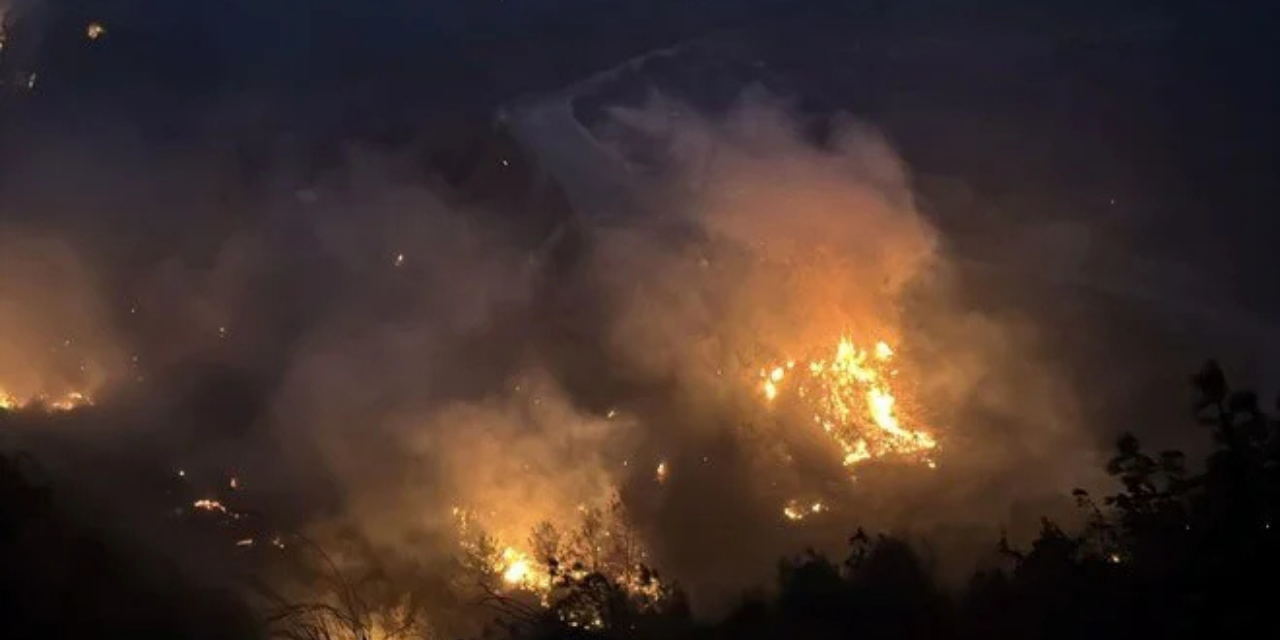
(588,577)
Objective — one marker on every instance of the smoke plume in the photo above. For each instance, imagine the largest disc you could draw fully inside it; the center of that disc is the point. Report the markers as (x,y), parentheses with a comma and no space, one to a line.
(374,357)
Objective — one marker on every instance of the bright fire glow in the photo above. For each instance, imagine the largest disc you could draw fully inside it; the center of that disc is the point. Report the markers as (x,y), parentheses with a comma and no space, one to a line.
(597,546)
(65,402)
(519,570)
(95,30)
(209,505)
(795,511)
(849,395)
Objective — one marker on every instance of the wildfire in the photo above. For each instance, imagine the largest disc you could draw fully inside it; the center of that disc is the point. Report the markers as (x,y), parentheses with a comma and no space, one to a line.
(795,511)
(516,568)
(65,402)
(209,505)
(849,395)
(69,401)
(601,544)
(520,571)
(95,30)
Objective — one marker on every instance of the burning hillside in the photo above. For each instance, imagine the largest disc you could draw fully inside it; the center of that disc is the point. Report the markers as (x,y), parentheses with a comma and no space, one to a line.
(392,365)
(850,395)
(442,399)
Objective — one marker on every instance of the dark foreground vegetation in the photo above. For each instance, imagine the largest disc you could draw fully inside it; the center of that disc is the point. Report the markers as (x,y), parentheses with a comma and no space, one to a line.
(1181,551)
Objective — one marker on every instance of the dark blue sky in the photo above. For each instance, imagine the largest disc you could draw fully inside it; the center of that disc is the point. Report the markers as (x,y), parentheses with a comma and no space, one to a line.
(495,46)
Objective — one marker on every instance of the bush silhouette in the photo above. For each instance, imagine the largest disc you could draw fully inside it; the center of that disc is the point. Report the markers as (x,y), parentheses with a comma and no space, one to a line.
(59,579)
(1174,553)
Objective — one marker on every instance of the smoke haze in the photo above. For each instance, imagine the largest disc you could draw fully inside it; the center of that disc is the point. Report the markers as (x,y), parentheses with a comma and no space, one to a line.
(387,358)
(375,354)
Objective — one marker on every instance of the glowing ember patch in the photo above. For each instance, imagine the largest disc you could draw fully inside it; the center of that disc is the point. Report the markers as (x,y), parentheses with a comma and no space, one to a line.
(95,30)
(660,474)
(849,395)
(796,511)
(209,505)
(66,402)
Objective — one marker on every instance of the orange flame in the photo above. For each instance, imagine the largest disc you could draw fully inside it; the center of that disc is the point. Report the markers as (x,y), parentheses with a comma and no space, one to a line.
(66,402)
(850,396)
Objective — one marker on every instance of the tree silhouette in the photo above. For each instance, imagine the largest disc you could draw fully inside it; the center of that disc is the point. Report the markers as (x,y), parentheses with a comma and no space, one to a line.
(1178,551)
(1172,554)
